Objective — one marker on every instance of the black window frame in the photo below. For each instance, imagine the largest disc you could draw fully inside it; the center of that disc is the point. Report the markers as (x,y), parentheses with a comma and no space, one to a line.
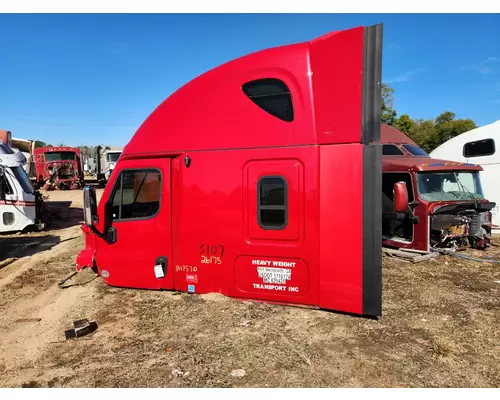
(479,155)
(273,207)
(387,145)
(247,86)
(119,181)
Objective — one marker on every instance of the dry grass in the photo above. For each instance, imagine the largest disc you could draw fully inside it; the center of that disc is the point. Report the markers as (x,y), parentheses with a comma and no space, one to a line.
(440,328)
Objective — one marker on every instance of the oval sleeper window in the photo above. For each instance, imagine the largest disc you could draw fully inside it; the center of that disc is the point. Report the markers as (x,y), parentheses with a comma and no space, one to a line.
(272,95)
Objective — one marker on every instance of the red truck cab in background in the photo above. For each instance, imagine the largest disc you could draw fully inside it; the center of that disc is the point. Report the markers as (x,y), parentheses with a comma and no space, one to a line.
(58,167)
(260,179)
(447,205)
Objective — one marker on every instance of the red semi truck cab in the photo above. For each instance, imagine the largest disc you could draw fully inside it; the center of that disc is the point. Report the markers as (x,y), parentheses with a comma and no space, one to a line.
(447,207)
(260,179)
(58,167)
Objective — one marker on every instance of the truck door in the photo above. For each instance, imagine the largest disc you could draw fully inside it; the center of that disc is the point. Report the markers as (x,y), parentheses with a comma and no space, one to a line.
(139,193)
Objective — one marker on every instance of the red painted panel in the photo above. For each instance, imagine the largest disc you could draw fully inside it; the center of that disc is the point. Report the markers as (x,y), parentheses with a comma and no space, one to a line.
(212,112)
(341,233)
(130,261)
(210,220)
(337,66)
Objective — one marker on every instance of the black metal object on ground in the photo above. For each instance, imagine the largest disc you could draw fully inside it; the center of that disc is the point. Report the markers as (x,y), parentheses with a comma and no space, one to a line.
(81,328)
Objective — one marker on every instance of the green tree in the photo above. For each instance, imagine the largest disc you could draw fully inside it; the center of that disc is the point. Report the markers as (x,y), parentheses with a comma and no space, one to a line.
(388,113)
(38,144)
(445,117)
(448,127)
(424,133)
(404,123)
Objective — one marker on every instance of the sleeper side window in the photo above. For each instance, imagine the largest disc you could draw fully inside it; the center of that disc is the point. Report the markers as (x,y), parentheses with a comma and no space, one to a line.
(137,194)
(479,148)
(272,95)
(391,150)
(272,210)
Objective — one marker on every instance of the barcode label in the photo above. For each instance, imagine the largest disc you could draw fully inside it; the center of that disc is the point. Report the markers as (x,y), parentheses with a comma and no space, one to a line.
(274,275)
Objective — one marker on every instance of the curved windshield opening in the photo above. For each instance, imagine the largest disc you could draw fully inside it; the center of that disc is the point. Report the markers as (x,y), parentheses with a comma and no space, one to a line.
(449,185)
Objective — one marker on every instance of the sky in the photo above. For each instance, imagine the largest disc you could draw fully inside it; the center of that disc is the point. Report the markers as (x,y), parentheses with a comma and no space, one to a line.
(89,79)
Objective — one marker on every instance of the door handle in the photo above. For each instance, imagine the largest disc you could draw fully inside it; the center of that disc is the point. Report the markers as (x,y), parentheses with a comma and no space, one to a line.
(161,267)
(112,235)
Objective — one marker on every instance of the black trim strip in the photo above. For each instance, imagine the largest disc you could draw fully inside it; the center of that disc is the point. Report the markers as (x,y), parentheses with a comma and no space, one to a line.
(372,230)
(372,80)
(372,172)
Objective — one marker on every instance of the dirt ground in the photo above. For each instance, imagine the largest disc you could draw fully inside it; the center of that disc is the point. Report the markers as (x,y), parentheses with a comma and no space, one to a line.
(440,327)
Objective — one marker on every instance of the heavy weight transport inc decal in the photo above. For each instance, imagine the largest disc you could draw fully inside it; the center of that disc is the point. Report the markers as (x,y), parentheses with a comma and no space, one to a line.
(272,275)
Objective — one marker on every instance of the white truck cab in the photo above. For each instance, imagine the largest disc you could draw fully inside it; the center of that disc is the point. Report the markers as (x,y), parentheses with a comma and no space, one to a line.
(18,200)
(109,160)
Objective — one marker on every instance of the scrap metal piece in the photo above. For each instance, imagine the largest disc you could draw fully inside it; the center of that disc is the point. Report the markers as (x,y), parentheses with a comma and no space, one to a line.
(81,328)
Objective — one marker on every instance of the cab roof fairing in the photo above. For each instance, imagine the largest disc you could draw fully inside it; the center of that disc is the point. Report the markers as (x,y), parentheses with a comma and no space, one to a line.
(212,111)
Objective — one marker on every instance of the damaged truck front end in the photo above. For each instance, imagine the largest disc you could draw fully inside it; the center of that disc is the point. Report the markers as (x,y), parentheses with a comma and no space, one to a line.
(446,204)
(447,208)
(459,215)
(59,168)
(460,225)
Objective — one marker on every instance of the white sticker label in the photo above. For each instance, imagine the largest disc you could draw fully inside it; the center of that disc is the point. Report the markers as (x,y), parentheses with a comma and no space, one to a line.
(159,271)
(274,275)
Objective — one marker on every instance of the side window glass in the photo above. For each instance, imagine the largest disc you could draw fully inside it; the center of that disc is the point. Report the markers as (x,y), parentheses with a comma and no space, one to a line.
(391,150)
(7,189)
(479,148)
(272,203)
(137,194)
(272,95)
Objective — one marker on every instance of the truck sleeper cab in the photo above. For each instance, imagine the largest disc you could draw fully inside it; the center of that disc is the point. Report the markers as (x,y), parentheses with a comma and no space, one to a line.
(259,179)
(447,208)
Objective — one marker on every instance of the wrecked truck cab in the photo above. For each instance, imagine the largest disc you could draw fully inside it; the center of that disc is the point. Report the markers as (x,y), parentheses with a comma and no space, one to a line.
(447,208)
(58,168)
(237,183)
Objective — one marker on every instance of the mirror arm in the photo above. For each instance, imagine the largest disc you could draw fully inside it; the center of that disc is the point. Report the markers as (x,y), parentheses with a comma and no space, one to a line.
(103,236)
(96,232)
(411,207)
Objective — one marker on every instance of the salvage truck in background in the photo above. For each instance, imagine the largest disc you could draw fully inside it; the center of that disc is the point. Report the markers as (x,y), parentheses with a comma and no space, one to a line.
(21,206)
(58,168)
(447,207)
(272,191)
(109,159)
